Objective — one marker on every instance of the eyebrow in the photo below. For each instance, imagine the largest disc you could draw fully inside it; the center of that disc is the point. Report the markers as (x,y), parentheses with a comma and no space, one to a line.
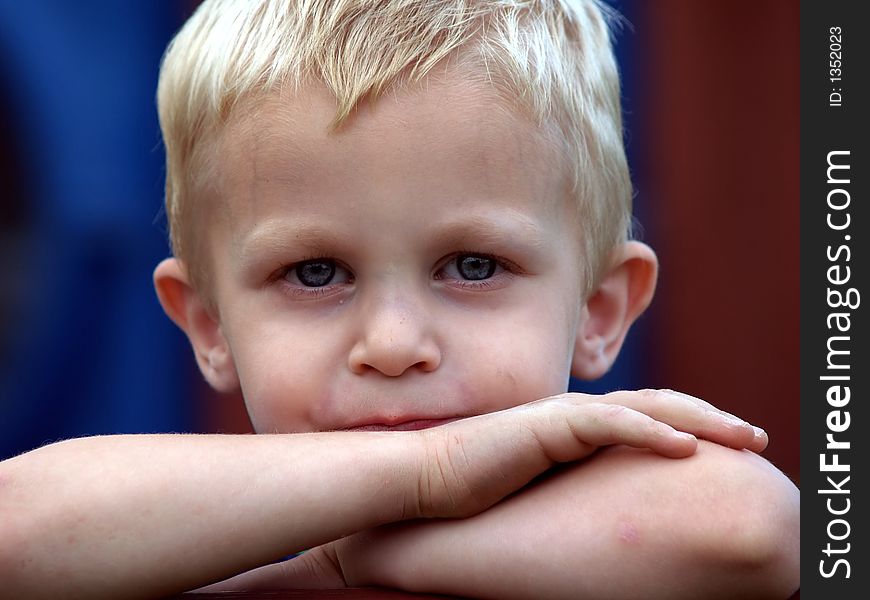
(504,228)
(271,237)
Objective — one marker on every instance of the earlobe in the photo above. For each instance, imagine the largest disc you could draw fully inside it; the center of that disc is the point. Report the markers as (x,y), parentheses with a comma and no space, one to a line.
(624,292)
(186,308)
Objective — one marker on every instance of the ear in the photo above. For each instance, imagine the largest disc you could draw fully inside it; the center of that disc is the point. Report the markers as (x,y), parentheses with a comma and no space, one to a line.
(186,308)
(626,289)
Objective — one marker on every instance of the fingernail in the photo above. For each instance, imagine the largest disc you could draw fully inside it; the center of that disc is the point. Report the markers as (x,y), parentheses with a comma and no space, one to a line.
(685,436)
(759,432)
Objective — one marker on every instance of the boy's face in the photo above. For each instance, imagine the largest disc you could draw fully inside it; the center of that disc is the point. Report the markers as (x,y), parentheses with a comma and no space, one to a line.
(419,264)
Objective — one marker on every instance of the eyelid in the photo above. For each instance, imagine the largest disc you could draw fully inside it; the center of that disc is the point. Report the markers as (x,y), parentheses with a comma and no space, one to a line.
(505,271)
(285,267)
(505,263)
(300,290)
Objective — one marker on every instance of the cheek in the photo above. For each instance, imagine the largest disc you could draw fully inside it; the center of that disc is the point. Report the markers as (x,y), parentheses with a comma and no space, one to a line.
(281,384)
(525,361)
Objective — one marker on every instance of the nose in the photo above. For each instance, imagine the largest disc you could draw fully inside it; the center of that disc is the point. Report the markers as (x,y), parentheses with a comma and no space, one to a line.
(395,336)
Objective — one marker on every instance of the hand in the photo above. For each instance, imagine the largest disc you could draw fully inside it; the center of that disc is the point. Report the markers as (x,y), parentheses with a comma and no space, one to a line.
(471,464)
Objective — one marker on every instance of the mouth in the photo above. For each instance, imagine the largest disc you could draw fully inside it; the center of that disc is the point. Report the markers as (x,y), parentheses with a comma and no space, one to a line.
(413,425)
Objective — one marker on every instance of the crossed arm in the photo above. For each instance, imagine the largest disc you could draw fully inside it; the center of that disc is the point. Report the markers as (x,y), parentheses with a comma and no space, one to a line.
(625,523)
(161,514)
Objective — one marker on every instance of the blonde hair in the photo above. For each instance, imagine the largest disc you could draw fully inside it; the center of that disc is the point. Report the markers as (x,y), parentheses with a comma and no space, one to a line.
(553,57)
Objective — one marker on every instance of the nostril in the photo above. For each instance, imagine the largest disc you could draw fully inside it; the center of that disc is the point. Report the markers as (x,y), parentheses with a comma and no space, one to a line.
(393,369)
(392,356)
(425,365)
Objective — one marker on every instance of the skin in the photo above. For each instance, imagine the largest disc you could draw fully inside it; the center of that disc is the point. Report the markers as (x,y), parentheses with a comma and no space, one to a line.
(399,340)
(447,172)
(152,515)
(624,523)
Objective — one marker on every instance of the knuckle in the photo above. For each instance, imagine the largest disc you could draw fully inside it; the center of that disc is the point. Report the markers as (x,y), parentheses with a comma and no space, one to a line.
(550,402)
(610,411)
(642,397)
(660,398)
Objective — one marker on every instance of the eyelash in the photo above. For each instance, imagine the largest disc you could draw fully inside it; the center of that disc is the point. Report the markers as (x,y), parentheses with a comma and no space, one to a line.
(304,292)
(481,284)
(318,292)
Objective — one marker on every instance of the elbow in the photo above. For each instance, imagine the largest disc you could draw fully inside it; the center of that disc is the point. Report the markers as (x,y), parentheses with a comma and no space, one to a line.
(758,537)
(770,550)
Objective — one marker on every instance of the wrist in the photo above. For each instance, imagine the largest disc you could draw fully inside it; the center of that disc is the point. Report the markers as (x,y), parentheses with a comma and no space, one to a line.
(392,472)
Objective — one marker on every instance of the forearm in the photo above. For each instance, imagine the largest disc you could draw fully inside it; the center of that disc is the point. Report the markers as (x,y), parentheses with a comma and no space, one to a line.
(156,514)
(119,515)
(623,524)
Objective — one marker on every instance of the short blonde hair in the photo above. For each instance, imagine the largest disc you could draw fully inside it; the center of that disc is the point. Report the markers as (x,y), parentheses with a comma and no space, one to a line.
(553,57)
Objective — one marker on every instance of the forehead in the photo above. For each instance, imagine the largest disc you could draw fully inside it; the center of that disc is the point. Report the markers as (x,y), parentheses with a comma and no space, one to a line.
(443,142)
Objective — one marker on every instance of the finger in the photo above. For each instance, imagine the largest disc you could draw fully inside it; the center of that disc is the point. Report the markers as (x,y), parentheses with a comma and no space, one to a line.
(603,424)
(692,415)
(759,439)
(472,463)
(594,424)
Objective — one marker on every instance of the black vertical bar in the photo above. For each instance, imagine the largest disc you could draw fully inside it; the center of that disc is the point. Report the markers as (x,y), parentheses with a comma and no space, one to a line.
(835,170)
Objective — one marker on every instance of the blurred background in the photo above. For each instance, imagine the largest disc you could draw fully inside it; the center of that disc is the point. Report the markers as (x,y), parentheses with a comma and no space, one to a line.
(712,118)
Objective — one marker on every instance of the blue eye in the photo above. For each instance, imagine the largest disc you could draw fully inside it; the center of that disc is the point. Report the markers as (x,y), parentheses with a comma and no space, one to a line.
(474,267)
(314,278)
(315,273)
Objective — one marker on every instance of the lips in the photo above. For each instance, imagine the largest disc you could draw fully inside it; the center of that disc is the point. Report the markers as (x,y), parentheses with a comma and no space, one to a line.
(411,425)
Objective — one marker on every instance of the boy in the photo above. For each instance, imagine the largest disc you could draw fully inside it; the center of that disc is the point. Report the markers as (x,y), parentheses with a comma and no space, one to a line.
(396,226)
